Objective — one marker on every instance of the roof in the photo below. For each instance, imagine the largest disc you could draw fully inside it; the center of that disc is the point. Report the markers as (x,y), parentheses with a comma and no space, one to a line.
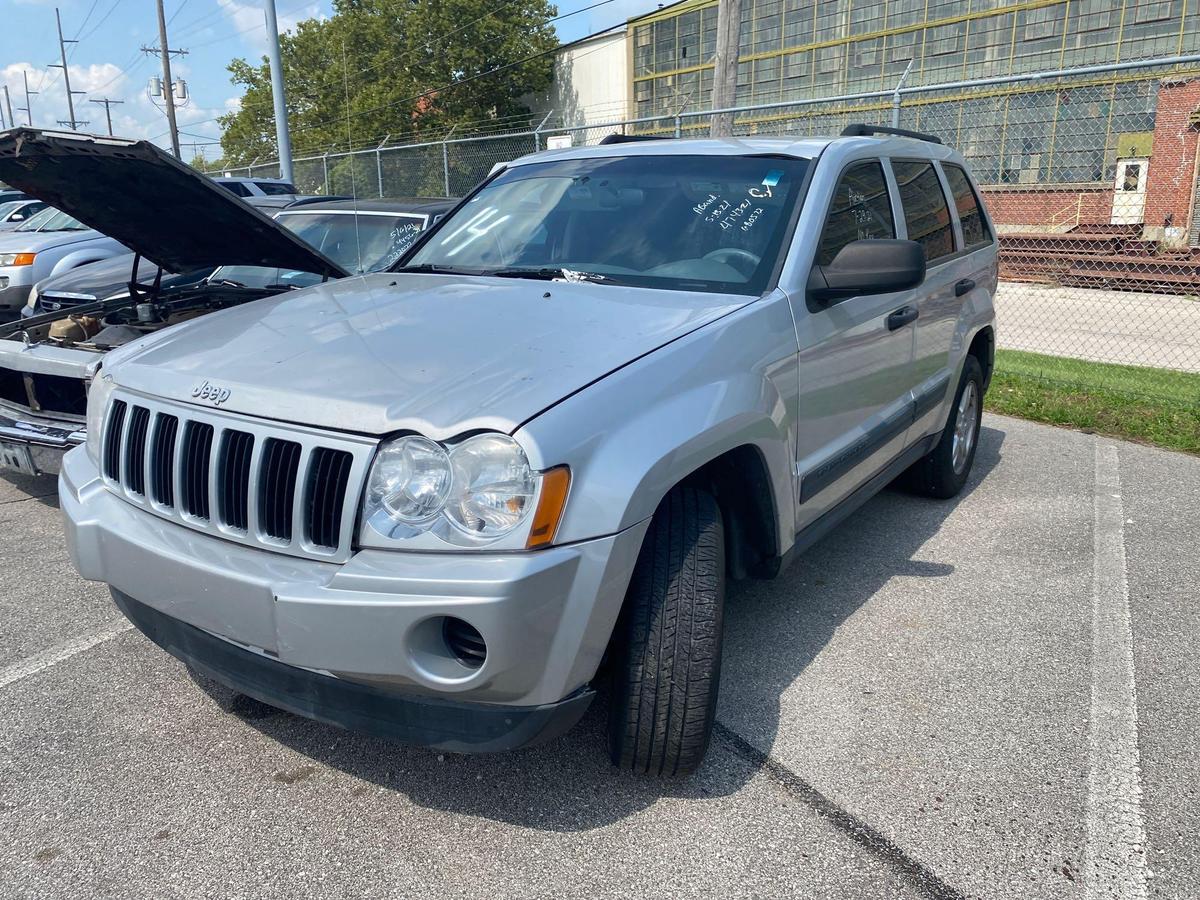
(420,205)
(245,178)
(801,148)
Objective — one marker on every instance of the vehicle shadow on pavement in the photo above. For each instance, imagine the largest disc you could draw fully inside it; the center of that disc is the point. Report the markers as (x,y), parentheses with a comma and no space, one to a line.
(774,629)
(15,488)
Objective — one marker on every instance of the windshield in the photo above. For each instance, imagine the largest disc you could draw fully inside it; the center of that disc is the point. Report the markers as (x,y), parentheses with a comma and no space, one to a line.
(362,242)
(51,219)
(275,188)
(381,238)
(701,223)
(10,206)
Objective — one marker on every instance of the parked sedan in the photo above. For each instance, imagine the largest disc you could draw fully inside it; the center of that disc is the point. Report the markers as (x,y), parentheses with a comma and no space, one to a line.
(47,361)
(14,212)
(49,242)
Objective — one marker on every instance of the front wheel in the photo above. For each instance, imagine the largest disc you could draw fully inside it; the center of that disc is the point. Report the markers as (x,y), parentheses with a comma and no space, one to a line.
(944,470)
(668,640)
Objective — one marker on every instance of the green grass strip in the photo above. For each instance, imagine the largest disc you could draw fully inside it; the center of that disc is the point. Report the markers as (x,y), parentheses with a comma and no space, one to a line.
(1155,406)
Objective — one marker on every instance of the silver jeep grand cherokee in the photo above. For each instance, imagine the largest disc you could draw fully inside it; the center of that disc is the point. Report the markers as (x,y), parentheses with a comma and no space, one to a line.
(428,503)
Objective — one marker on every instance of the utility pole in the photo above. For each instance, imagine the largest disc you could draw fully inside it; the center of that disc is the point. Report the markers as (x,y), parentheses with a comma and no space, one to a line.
(168,86)
(108,110)
(62,49)
(725,65)
(12,122)
(28,107)
(282,137)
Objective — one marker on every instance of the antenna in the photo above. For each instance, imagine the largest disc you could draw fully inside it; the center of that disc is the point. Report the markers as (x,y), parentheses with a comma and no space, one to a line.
(350,156)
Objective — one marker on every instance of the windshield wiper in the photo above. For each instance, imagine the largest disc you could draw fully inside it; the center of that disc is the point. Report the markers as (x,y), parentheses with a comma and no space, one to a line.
(550,274)
(436,269)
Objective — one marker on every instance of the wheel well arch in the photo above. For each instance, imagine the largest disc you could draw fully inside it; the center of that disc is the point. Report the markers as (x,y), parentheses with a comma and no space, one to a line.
(983,348)
(740,482)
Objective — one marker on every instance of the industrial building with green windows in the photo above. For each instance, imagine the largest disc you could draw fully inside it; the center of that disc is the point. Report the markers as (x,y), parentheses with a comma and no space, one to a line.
(1077,143)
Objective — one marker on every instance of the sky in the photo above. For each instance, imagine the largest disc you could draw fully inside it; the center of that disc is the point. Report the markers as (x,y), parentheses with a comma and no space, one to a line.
(107,61)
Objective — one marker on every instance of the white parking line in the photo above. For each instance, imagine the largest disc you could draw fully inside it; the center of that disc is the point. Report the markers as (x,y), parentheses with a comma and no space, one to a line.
(1116,837)
(56,654)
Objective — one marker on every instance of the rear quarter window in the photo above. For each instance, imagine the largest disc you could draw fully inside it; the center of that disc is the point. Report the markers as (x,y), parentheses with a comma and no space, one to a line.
(974,226)
(925,208)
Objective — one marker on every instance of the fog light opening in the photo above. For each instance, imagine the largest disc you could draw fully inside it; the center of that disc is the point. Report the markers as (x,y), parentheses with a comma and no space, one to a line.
(464,641)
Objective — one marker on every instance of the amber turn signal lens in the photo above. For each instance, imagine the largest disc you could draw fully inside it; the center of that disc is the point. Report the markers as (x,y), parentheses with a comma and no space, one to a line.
(553,500)
(23,259)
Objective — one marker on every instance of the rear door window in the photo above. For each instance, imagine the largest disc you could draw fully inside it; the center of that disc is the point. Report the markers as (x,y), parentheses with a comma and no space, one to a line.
(974,227)
(861,210)
(925,208)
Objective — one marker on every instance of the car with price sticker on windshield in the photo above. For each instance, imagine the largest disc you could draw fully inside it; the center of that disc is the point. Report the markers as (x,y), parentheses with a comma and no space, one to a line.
(449,502)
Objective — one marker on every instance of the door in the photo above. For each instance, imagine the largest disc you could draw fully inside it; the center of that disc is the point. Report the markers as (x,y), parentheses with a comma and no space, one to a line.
(855,366)
(1129,192)
(949,277)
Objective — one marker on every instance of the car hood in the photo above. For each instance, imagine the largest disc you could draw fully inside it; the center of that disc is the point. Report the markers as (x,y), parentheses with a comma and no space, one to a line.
(33,241)
(435,354)
(101,280)
(150,202)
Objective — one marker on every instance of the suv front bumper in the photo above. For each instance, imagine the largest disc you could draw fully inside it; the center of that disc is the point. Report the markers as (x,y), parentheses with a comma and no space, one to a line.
(359,644)
(47,441)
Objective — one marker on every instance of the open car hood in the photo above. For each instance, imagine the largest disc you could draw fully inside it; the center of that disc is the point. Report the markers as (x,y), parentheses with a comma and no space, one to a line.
(149,201)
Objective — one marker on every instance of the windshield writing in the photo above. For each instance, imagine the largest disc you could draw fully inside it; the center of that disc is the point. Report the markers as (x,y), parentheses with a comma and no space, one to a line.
(680,222)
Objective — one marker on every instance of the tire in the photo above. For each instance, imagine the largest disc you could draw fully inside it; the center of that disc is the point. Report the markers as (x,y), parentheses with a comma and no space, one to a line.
(943,471)
(667,643)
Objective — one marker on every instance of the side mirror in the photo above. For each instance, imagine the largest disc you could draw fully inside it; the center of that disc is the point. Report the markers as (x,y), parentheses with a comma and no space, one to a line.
(868,267)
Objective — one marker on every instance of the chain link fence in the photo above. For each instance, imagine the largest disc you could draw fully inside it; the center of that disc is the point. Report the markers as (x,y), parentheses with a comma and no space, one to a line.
(1091,175)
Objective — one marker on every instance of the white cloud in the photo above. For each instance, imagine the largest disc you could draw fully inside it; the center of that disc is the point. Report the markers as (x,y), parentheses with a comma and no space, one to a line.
(249,20)
(136,117)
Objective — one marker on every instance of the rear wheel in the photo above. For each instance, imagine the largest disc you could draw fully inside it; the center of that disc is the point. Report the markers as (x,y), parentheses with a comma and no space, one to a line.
(667,663)
(944,470)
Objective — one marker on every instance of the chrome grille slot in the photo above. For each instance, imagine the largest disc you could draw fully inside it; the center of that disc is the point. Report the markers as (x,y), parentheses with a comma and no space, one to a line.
(328,475)
(135,450)
(233,479)
(279,487)
(194,468)
(112,441)
(162,457)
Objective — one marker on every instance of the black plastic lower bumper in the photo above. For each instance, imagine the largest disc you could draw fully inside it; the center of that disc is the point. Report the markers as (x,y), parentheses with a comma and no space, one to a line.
(453,726)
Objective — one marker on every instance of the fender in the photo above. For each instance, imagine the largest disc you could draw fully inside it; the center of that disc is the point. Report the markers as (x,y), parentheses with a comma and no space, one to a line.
(634,435)
(86,255)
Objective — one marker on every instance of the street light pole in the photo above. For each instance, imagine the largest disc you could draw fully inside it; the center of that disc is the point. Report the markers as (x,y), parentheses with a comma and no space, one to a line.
(282,137)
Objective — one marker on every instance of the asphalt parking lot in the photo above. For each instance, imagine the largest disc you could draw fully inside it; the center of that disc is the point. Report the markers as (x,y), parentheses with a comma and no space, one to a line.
(938,700)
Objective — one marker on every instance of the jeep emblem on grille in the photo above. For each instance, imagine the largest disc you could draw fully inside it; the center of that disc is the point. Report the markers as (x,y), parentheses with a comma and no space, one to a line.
(210,392)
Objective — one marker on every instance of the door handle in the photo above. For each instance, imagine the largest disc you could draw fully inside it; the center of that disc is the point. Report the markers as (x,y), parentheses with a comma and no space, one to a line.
(962,287)
(902,317)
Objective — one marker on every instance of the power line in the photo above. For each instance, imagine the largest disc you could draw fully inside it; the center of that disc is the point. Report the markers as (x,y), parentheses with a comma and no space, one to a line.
(103,19)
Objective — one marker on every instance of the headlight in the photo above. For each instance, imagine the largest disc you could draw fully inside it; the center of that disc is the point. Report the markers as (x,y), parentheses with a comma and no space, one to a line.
(480,492)
(410,481)
(493,486)
(99,391)
(17,259)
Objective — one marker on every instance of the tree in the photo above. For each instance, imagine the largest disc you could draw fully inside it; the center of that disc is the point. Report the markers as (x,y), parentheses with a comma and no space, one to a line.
(388,67)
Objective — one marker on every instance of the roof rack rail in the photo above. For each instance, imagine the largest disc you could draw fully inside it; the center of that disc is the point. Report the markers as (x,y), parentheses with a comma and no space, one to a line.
(616,138)
(861,130)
